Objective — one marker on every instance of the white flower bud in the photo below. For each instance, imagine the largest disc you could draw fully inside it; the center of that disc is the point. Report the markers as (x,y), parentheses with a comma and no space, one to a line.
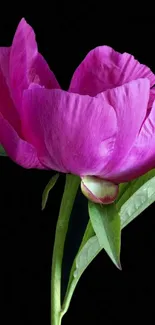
(99,190)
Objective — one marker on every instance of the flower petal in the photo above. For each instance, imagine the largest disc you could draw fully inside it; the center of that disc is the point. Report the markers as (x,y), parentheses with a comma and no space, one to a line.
(7,107)
(151,99)
(141,157)
(72,132)
(26,65)
(40,73)
(130,102)
(103,68)
(17,149)
(4,63)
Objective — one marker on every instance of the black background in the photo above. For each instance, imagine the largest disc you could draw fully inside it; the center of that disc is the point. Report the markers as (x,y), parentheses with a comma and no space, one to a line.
(65,35)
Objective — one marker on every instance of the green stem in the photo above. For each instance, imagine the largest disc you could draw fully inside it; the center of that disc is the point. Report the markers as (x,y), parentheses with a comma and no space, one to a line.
(71,187)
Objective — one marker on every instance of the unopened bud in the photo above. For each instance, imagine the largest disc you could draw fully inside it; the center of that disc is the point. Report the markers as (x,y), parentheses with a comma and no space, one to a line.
(99,190)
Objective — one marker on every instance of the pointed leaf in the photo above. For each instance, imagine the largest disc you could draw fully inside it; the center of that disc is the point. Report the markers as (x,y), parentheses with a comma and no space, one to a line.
(122,189)
(138,202)
(106,224)
(128,189)
(47,189)
(89,233)
(86,255)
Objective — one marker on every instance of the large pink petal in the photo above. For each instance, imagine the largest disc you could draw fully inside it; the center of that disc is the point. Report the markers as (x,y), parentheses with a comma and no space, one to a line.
(141,157)
(73,133)
(103,68)
(17,149)
(130,102)
(7,107)
(26,65)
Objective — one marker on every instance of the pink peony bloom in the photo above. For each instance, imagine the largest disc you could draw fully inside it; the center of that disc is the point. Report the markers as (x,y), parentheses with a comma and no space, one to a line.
(104,125)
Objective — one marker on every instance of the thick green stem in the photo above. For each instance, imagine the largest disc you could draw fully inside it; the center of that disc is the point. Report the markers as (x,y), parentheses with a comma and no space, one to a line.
(71,187)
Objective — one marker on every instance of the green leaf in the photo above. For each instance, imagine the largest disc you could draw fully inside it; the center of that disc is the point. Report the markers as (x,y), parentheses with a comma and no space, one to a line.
(89,233)
(122,188)
(138,202)
(2,151)
(106,224)
(73,278)
(47,189)
(89,249)
(134,197)
(86,255)
(142,191)
(128,189)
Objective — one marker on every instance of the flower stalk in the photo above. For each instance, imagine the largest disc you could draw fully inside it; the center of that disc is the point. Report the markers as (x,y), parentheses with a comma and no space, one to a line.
(70,191)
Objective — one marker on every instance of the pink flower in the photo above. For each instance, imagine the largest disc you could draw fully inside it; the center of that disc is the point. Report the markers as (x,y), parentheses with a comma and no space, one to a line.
(104,125)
